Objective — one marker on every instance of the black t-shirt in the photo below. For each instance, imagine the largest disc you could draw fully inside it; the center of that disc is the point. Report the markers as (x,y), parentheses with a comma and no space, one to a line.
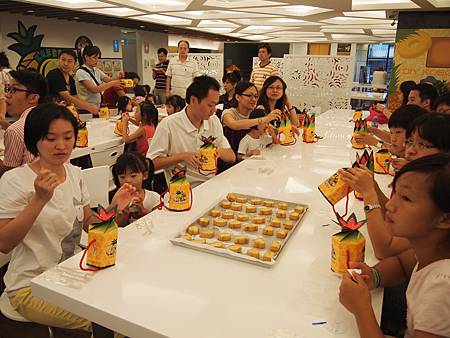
(57,83)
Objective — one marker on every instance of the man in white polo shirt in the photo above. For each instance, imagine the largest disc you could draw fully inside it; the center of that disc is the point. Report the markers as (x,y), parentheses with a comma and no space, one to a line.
(181,71)
(179,136)
(265,68)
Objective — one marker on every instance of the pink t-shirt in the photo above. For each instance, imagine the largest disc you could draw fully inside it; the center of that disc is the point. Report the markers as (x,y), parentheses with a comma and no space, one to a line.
(142,144)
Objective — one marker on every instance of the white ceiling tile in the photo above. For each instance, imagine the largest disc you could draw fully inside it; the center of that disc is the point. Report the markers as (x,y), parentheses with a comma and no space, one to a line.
(115,11)
(72,4)
(256,37)
(276,22)
(216,23)
(296,10)
(164,19)
(383,32)
(337,29)
(240,3)
(382,4)
(262,29)
(344,20)
(216,30)
(440,3)
(294,34)
(367,14)
(217,14)
(154,5)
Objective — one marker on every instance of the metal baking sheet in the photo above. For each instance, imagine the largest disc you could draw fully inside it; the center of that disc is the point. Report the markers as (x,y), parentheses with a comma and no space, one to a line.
(225,252)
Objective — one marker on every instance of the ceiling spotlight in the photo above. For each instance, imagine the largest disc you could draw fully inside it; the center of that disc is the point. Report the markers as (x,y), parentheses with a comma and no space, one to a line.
(142,26)
(76,17)
(30,11)
(393,23)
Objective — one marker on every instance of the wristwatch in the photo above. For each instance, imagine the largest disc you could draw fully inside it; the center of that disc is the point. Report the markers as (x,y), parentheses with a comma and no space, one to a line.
(370,207)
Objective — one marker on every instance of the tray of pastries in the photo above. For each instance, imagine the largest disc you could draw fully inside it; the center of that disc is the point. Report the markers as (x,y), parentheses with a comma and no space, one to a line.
(247,228)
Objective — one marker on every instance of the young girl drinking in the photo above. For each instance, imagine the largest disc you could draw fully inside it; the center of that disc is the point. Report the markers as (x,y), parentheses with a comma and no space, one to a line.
(124,105)
(419,210)
(147,117)
(43,207)
(136,170)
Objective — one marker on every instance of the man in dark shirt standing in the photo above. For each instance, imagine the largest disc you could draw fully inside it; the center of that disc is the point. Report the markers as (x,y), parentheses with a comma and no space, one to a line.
(159,74)
(61,83)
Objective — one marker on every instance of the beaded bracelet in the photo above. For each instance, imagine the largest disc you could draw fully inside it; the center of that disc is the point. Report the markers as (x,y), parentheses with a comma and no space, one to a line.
(376,278)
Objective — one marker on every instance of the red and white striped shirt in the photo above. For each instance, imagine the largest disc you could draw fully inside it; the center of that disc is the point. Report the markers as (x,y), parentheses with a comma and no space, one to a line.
(16,154)
(260,74)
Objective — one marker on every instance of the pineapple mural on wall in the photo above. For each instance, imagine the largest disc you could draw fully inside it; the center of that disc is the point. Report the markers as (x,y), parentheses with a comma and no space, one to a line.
(27,46)
(32,55)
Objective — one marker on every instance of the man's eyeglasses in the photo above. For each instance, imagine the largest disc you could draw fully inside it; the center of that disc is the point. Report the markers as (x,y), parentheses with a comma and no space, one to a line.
(255,96)
(13,90)
(419,145)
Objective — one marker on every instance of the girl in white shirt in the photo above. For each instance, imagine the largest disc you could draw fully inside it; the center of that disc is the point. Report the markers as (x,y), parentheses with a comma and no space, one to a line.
(133,168)
(43,207)
(419,210)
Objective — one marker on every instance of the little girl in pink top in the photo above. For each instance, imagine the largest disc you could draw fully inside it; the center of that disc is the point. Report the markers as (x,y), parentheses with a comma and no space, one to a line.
(147,118)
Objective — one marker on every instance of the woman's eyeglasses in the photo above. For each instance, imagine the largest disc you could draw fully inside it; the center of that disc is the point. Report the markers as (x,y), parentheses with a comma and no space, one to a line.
(255,96)
(418,145)
(275,88)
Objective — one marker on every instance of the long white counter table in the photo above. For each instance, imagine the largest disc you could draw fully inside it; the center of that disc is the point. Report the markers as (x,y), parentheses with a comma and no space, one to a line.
(157,289)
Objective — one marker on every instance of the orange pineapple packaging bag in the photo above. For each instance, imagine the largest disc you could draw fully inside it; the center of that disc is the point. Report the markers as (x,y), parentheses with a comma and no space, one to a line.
(118,129)
(82,137)
(309,128)
(208,156)
(382,161)
(102,239)
(347,245)
(180,192)
(366,160)
(285,135)
(359,129)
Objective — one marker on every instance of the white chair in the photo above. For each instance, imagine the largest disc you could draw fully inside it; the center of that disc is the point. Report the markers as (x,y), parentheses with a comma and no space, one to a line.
(8,311)
(97,182)
(107,157)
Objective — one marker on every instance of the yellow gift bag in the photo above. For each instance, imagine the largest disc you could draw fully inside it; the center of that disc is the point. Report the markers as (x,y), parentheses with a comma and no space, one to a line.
(118,129)
(285,135)
(102,239)
(104,112)
(82,137)
(128,83)
(382,161)
(347,245)
(208,156)
(359,129)
(180,192)
(309,128)
(334,189)
(73,110)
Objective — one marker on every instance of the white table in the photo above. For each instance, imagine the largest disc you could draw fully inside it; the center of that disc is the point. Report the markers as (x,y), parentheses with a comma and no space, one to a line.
(157,289)
(368,96)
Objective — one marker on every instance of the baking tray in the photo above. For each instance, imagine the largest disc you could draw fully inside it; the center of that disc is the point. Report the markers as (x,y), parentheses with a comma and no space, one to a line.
(193,241)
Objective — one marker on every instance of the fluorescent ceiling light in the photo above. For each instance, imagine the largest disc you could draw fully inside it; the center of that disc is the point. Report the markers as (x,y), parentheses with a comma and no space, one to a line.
(216,23)
(240,3)
(116,11)
(164,19)
(382,4)
(367,14)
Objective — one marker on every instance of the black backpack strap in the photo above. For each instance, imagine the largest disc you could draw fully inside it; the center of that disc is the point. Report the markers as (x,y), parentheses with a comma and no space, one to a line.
(90,73)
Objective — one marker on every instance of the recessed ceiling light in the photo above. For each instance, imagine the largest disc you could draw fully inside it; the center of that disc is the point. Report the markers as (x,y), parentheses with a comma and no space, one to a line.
(30,11)
(295,10)
(164,19)
(115,11)
(76,17)
(142,26)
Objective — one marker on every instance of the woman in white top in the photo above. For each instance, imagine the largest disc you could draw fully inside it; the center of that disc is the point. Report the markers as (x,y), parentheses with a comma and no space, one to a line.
(43,207)
(273,98)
